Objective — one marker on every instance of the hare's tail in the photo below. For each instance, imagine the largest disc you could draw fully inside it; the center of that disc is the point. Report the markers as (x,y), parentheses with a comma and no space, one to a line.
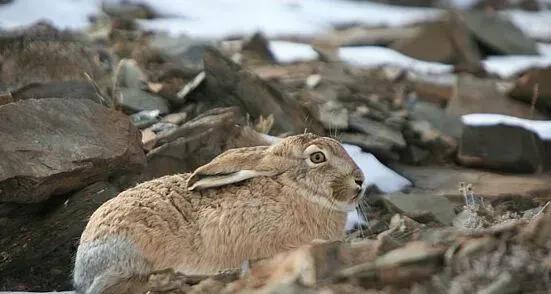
(111,265)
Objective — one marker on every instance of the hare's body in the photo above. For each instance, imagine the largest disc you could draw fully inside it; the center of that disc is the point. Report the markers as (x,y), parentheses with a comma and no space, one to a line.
(196,225)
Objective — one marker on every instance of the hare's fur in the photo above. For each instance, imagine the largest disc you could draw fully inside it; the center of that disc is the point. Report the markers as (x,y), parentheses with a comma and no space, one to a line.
(248,203)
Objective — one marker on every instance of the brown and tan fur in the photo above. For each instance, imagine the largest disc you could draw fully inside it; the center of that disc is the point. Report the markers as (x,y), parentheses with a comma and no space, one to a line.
(210,228)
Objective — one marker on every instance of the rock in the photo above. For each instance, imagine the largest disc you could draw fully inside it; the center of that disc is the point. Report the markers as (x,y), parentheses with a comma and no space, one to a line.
(129,90)
(136,100)
(40,54)
(422,133)
(47,241)
(445,41)
(228,84)
(499,34)
(478,95)
(145,118)
(175,118)
(5,98)
(183,51)
(198,141)
(63,89)
(381,148)
(377,130)
(531,86)
(445,122)
(415,204)
(333,115)
(257,51)
(433,92)
(444,181)
(52,146)
(504,147)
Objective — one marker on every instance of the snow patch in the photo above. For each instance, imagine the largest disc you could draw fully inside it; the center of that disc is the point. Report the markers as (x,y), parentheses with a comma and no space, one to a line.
(540,127)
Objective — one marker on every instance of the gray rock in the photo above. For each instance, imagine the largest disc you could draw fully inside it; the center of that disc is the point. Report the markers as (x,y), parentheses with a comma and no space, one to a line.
(445,122)
(377,130)
(498,33)
(381,148)
(136,100)
(420,203)
(503,147)
(53,146)
(185,51)
(333,115)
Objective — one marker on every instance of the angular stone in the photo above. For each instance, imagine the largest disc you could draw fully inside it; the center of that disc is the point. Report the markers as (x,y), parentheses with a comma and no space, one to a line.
(53,146)
(532,86)
(413,204)
(63,89)
(381,148)
(183,51)
(446,122)
(444,181)
(498,33)
(46,241)
(40,53)
(333,115)
(257,50)
(479,95)
(446,41)
(136,100)
(198,141)
(377,130)
(228,84)
(503,147)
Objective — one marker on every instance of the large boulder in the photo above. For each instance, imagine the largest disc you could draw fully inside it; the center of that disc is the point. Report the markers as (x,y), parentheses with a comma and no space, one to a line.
(53,146)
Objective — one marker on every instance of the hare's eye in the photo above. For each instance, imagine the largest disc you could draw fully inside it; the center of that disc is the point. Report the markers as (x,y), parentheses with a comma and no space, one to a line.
(317,157)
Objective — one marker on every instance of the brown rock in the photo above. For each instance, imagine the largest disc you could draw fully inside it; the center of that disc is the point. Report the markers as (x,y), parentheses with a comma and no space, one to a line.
(198,141)
(444,181)
(46,241)
(63,89)
(41,54)
(532,87)
(229,84)
(479,95)
(53,146)
(257,51)
(446,41)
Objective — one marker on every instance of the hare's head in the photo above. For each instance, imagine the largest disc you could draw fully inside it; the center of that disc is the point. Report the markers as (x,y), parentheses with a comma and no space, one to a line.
(319,166)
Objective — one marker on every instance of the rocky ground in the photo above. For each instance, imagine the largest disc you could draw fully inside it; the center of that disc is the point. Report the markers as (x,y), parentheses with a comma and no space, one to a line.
(87,114)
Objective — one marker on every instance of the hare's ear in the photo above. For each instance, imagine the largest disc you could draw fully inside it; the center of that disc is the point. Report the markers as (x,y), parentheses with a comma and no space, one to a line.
(232,166)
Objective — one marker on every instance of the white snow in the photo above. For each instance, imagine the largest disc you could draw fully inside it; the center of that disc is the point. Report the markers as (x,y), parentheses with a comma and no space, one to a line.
(71,14)
(375,172)
(287,52)
(375,56)
(536,24)
(540,127)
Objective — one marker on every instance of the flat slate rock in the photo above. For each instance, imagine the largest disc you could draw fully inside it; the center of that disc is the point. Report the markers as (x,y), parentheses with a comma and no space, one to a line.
(499,34)
(444,181)
(504,147)
(53,146)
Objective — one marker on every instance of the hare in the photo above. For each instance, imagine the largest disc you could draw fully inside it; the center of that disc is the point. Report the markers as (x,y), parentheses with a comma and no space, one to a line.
(247,203)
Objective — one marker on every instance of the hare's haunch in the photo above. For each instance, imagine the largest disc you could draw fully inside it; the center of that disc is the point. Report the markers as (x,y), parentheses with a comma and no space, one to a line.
(247,203)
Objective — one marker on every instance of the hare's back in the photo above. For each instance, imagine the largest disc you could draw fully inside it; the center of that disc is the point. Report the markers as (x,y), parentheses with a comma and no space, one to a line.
(155,209)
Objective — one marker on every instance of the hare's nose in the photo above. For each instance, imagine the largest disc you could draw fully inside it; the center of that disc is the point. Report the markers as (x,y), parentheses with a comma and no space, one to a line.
(359,182)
